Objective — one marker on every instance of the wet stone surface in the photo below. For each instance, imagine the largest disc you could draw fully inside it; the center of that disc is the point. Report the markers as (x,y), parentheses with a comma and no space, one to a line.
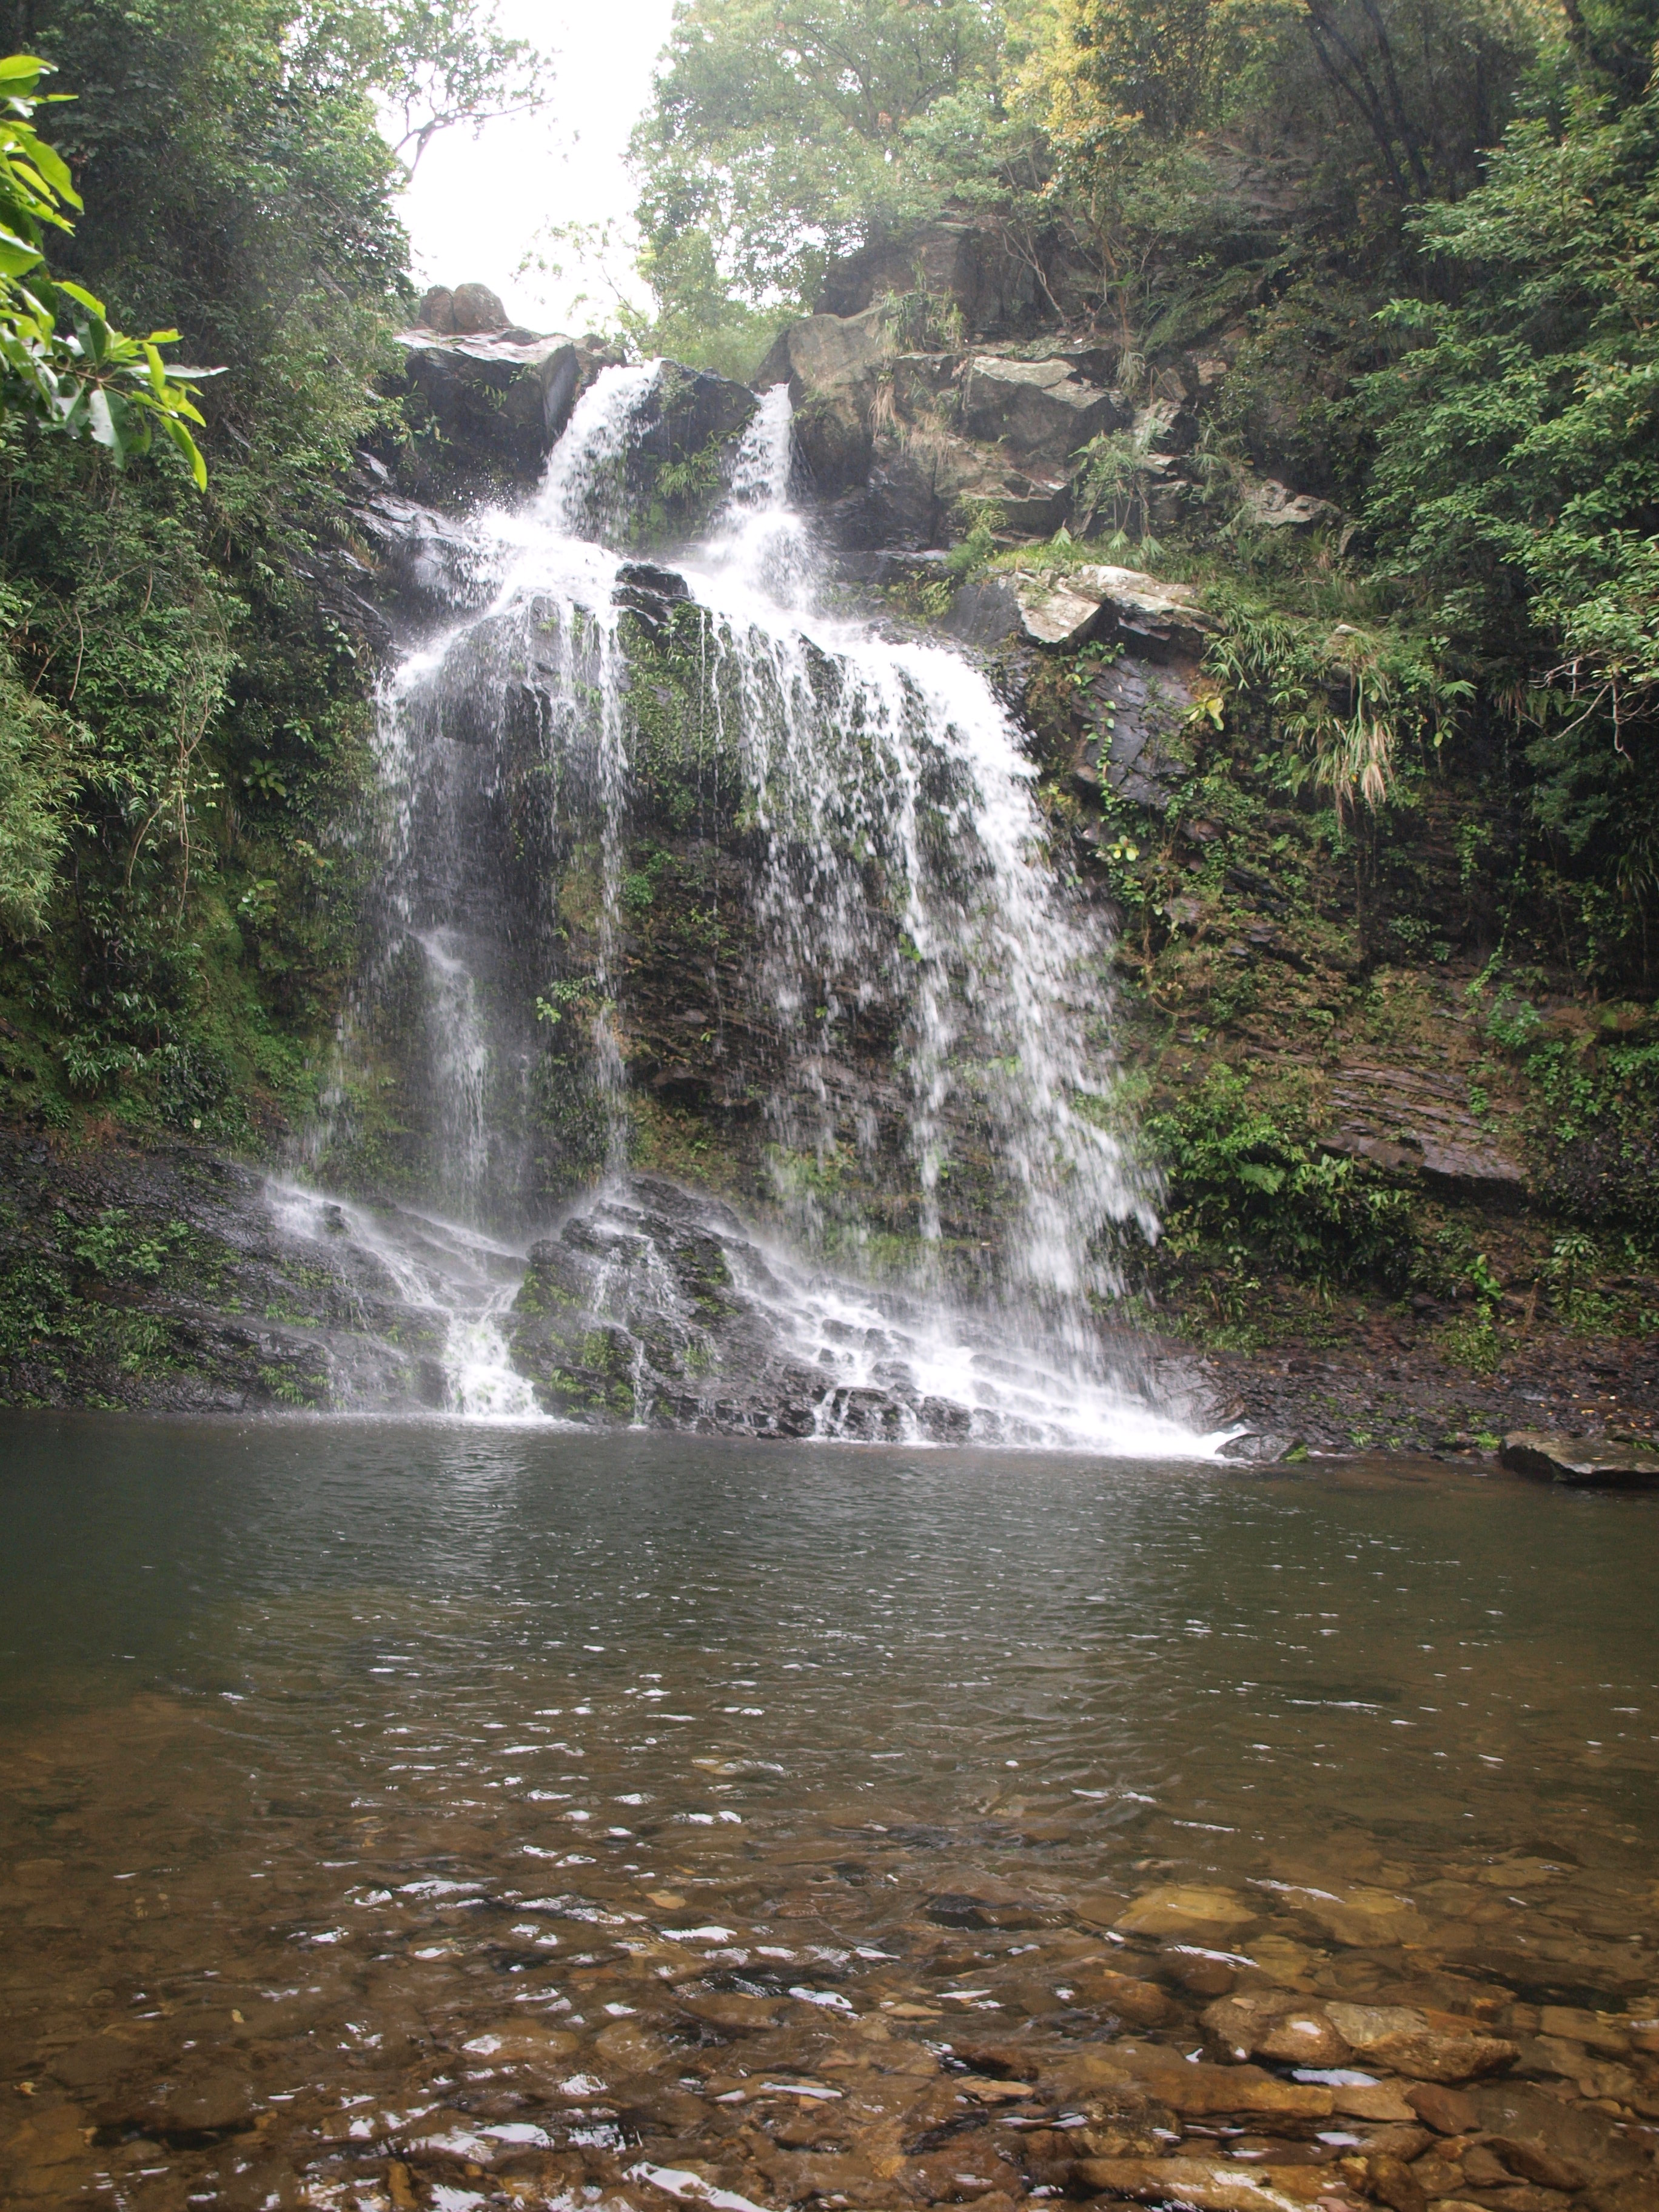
(445,1818)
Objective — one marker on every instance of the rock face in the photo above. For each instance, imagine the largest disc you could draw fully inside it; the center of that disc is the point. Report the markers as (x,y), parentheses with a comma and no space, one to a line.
(967,268)
(1042,410)
(500,398)
(1580,1460)
(652,1306)
(1407,1119)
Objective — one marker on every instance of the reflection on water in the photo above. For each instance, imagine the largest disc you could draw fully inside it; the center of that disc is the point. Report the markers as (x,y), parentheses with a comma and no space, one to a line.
(423,1816)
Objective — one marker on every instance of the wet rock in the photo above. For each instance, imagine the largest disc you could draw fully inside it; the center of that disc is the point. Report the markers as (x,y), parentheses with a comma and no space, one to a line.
(1192,1911)
(830,363)
(1276,2026)
(524,2043)
(1436,2176)
(1448,2112)
(1405,2041)
(1521,2112)
(501,396)
(1579,1461)
(1535,2161)
(1204,1973)
(653,1306)
(1042,410)
(1199,2091)
(1373,2100)
(1140,2004)
(734,2012)
(1392,2182)
(1139,748)
(219,2102)
(1365,1919)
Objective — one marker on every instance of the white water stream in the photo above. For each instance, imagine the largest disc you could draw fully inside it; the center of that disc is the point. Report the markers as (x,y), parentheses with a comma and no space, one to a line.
(902,859)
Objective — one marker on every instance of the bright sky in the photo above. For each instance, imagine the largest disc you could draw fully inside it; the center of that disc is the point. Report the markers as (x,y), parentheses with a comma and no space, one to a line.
(478,206)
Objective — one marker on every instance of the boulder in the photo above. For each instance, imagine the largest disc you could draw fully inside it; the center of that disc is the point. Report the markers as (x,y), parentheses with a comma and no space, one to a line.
(1040,410)
(1270,505)
(1578,1461)
(968,271)
(475,307)
(501,399)
(1063,610)
(437,311)
(830,363)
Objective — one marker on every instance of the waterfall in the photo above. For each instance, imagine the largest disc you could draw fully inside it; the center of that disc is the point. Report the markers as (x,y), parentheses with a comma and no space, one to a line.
(918,1009)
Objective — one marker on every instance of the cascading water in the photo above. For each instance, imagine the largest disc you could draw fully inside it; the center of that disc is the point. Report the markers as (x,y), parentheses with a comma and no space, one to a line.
(901,913)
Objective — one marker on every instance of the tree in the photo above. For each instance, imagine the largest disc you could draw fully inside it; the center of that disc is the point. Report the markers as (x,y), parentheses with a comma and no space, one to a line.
(778,139)
(63,363)
(1515,498)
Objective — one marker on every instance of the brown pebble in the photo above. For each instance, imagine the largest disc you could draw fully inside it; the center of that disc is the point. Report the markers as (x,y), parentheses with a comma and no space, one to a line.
(1448,2112)
(1204,1977)
(1393,2183)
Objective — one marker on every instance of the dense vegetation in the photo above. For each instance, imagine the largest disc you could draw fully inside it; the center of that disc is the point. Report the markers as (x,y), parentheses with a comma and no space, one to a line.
(181,712)
(1446,327)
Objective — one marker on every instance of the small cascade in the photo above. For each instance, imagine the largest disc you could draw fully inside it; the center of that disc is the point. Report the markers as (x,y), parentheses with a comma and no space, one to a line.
(429,1298)
(915,998)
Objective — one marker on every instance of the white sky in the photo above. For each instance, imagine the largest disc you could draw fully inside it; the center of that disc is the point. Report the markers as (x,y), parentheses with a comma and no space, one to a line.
(478,205)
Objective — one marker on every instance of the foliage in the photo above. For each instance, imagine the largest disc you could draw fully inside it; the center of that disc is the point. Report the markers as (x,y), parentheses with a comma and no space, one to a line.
(1516,482)
(779,135)
(1344,702)
(184,711)
(1244,1176)
(88,378)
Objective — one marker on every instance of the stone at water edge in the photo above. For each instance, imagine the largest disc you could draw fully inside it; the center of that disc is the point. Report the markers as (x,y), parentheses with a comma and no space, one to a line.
(1554,1458)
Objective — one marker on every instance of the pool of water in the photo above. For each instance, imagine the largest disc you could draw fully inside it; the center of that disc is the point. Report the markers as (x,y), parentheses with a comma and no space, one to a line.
(420,1815)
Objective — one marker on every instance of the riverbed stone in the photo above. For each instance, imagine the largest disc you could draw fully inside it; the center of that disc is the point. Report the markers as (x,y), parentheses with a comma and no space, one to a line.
(1408,2041)
(1276,2025)
(1190,1911)
(1199,2091)
(1364,1919)
(1448,2112)
(1208,2185)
